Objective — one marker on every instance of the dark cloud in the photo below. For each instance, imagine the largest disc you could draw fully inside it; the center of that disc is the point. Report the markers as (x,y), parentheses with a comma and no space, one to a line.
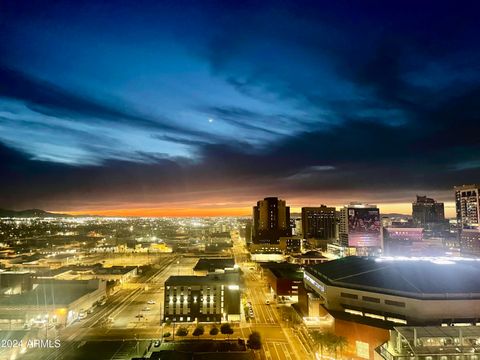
(348,105)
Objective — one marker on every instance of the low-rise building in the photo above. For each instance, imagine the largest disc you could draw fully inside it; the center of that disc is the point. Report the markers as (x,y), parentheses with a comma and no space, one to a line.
(209,298)
(208,265)
(311,257)
(51,301)
(15,282)
(122,274)
(283,279)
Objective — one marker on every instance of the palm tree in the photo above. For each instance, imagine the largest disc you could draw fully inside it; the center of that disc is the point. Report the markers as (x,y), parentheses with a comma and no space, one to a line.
(329,341)
(319,339)
(341,343)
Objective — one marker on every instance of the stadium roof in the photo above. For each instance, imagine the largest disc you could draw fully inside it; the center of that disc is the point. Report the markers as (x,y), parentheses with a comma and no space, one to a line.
(418,278)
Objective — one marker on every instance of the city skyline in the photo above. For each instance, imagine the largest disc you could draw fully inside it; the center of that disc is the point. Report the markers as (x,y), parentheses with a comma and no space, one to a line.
(167,211)
(192,109)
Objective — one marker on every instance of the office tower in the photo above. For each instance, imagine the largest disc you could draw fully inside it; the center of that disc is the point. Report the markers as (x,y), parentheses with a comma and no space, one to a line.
(248,232)
(360,228)
(427,211)
(467,203)
(271,221)
(319,223)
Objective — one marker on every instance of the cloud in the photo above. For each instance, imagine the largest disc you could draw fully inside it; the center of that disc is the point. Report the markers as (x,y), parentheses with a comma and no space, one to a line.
(334,98)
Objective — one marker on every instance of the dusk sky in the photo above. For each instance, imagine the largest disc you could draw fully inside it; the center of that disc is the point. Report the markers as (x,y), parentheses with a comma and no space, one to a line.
(202,108)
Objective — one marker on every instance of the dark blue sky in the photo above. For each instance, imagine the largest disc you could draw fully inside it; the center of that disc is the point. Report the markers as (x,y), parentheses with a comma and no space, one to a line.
(200,104)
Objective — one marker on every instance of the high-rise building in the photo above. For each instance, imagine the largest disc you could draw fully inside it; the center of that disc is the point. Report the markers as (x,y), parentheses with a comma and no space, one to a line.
(467,203)
(248,232)
(427,211)
(470,241)
(360,228)
(319,223)
(271,221)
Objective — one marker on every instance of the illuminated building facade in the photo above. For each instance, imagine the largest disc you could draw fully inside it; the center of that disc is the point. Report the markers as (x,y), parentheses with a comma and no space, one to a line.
(402,241)
(470,241)
(360,228)
(467,204)
(210,298)
(392,291)
(56,302)
(363,299)
(319,223)
(431,342)
(271,221)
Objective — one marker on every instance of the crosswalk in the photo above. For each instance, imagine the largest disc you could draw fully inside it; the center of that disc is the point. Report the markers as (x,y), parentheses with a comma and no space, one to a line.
(278,350)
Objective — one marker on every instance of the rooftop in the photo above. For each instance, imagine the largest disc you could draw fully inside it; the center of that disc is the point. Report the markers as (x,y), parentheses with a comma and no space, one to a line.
(224,278)
(310,254)
(56,292)
(211,264)
(417,278)
(284,270)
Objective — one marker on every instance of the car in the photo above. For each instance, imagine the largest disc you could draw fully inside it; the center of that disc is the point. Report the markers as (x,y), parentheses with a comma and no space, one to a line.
(267,302)
(146,308)
(151,302)
(157,343)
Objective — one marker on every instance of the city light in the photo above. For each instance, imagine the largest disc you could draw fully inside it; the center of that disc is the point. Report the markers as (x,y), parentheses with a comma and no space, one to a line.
(239,180)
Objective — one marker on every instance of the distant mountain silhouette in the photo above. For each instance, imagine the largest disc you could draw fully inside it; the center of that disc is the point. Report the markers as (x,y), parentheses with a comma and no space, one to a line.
(29,213)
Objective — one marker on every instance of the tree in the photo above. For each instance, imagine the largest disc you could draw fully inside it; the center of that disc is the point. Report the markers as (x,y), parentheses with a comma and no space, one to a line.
(254,341)
(318,340)
(214,330)
(167,334)
(339,343)
(181,331)
(323,340)
(226,329)
(168,322)
(199,330)
(246,310)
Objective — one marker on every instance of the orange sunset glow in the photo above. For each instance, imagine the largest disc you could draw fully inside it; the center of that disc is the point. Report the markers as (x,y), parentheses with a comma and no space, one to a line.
(398,208)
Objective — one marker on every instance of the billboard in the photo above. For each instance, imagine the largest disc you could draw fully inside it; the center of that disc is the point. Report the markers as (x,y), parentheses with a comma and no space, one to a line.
(364,227)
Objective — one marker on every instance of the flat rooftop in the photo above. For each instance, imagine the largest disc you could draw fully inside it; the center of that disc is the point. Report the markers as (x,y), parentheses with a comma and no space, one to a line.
(56,293)
(312,254)
(284,270)
(224,278)
(212,264)
(418,278)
